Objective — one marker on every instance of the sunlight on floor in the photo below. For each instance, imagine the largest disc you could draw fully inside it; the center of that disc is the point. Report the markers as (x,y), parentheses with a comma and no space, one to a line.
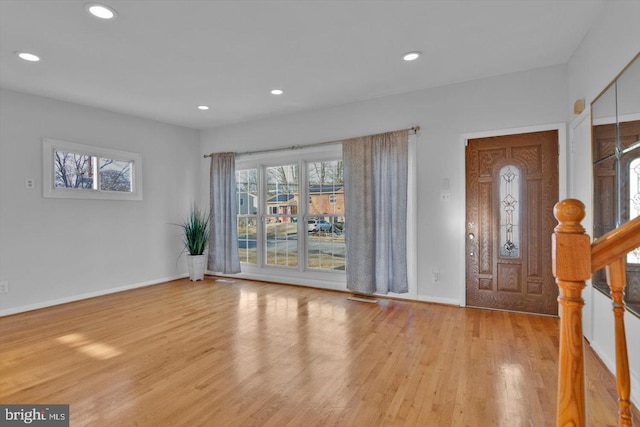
(97,350)
(510,389)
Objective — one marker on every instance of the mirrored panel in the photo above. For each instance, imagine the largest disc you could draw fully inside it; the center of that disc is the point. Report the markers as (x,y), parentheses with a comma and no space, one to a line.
(615,116)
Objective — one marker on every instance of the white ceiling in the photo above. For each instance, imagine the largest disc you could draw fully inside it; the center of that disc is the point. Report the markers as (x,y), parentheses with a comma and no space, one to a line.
(161,58)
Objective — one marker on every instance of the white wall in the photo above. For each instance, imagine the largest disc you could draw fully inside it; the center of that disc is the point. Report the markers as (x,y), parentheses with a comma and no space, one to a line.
(523,99)
(55,250)
(608,47)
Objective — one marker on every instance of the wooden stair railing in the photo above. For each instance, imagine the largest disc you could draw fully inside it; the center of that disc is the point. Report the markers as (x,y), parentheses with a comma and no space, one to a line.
(574,258)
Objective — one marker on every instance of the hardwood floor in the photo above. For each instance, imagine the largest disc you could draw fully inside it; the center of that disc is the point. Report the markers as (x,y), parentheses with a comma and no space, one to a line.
(247,353)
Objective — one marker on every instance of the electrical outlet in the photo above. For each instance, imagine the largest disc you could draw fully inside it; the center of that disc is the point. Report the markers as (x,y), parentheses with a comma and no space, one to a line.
(29,183)
(4,287)
(445,196)
(436,276)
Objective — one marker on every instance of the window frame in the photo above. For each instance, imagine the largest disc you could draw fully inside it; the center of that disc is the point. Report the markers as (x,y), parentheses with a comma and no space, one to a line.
(330,279)
(249,216)
(272,212)
(323,279)
(49,190)
(311,216)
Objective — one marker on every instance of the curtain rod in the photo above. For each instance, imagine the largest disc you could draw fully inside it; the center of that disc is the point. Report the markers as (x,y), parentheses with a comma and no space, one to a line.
(413,129)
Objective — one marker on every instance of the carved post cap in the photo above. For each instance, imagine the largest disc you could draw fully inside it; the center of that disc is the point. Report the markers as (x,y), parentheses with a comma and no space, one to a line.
(569,213)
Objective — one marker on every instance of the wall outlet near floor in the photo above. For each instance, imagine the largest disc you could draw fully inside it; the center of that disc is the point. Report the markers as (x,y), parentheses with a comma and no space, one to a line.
(4,287)
(30,183)
(436,276)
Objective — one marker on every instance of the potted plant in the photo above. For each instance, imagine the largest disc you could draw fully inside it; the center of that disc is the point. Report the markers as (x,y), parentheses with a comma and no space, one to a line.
(196,236)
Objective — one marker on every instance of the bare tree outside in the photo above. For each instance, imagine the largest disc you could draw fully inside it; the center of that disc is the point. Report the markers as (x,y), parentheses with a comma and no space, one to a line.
(115,175)
(74,170)
(282,179)
(318,172)
(328,172)
(247,181)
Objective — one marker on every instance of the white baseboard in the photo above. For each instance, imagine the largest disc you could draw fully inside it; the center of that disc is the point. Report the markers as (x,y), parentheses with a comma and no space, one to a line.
(611,365)
(313,283)
(438,300)
(332,286)
(44,304)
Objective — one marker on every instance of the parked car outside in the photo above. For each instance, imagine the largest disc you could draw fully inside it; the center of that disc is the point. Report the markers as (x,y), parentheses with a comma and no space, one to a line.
(318,225)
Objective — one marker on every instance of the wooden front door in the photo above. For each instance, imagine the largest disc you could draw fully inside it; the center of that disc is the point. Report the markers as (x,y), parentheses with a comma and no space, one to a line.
(511,186)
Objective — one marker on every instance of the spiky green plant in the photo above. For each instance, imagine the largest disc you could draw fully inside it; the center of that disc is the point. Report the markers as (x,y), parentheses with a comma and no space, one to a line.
(196,231)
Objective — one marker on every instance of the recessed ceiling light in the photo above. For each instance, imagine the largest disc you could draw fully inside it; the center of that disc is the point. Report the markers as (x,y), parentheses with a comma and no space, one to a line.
(101,11)
(411,56)
(203,107)
(277,92)
(28,56)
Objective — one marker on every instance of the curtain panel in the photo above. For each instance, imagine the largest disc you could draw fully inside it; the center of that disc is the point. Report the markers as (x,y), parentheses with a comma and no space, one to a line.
(375,177)
(223,239)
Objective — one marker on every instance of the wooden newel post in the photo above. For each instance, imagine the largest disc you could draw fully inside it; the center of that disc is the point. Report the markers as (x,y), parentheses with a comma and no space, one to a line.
(571,264)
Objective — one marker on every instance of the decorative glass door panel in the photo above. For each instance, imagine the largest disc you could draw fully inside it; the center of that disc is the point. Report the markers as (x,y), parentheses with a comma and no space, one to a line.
(509,211)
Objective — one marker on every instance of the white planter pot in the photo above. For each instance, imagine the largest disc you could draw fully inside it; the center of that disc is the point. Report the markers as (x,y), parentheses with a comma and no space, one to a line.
(197,265)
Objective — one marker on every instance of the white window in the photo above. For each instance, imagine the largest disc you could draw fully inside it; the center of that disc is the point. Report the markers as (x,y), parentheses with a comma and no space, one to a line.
(247,188)
(326,220)
(281,224)
(79,171)
(303,240)
(284,233)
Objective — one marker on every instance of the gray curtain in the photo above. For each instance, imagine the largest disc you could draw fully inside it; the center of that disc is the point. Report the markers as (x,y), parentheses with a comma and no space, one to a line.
(375,178)
(223,238)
